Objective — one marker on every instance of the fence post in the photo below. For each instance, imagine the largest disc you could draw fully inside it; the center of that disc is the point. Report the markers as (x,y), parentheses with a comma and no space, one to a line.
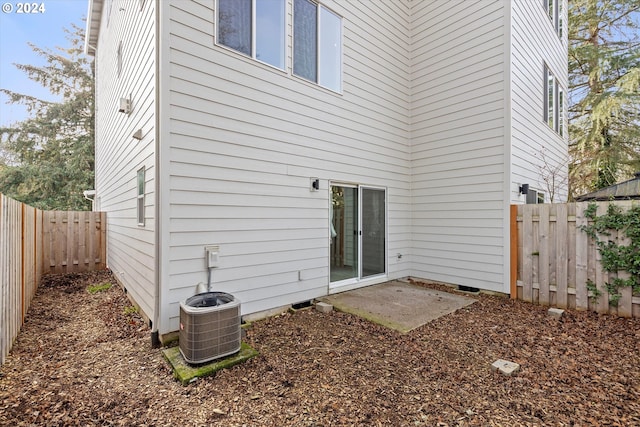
(527,253)
(23,249)
(544,292)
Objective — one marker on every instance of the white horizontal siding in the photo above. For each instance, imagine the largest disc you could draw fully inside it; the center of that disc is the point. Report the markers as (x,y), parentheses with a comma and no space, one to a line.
(535,43)
(130,248)
(458,134)
(243,140)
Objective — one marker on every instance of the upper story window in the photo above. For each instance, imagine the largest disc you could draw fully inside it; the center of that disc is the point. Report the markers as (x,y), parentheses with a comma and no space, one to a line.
(560,20)
(255,28)
(317,44)
(119,58)
(108,7)
(554,10)
(554,100)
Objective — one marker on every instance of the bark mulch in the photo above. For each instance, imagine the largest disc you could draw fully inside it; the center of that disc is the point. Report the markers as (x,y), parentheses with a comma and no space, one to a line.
(85,359)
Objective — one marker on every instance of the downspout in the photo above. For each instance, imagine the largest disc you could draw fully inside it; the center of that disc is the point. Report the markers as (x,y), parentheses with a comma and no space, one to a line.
(508,146)
(155,335)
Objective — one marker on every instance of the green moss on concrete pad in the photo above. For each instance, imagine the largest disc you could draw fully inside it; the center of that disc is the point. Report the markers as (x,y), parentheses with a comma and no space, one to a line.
(186,373)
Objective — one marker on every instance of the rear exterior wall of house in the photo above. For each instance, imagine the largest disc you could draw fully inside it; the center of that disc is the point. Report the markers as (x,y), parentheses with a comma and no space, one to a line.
(437,110)
(243,140)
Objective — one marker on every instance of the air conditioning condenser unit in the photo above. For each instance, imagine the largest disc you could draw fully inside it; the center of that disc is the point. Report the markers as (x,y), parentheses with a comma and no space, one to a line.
(209,327)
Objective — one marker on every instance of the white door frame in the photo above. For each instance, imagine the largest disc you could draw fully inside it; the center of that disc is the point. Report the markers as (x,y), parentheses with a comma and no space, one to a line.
(358,280)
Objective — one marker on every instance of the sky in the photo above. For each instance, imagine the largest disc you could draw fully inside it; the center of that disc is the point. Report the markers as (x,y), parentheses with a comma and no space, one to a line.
(45,30)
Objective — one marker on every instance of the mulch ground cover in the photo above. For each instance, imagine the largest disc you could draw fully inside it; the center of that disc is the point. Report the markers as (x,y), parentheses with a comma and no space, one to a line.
(86,359)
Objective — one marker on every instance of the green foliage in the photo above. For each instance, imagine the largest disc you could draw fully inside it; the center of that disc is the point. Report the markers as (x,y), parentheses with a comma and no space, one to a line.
(130,310)
(593,290)
(604,78)
(47,160)
(616,257)
(101,287)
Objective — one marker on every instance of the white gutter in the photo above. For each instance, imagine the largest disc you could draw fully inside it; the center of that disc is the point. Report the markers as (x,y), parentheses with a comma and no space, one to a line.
(87,30)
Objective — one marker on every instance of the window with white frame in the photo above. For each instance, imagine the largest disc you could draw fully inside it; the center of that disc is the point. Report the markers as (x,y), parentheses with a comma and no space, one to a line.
(119,58)
(317,44)
(108,6)
(554,11)
(255,28)
(550,93)
(534,197)
(554,100)
(559,20)
(561,112)
(140,198)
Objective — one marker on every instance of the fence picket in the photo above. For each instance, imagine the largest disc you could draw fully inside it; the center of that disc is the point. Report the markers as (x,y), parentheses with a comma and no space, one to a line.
(4,279)
(544,295)
(562,258)
(602,302)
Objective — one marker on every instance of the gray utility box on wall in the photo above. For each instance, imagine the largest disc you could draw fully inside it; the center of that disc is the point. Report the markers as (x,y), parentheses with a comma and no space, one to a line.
(209,327)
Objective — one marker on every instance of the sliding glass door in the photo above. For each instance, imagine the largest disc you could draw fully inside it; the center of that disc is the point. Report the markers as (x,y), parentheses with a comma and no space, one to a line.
(358,233)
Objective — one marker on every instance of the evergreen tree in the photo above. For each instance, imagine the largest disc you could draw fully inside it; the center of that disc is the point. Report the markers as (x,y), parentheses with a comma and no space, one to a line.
(604,76)
(47,160)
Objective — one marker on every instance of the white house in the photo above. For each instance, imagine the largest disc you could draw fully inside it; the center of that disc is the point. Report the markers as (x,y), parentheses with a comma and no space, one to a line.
(319,146)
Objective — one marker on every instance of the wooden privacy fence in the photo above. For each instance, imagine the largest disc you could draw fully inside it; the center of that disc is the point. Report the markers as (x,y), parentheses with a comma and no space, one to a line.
(35,242)
(553,259)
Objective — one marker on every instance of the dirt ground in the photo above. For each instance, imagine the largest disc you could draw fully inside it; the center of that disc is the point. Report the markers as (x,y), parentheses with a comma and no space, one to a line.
(85,359)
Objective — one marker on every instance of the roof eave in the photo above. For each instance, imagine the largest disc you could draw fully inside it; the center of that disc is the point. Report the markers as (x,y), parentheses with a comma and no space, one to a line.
(94,15)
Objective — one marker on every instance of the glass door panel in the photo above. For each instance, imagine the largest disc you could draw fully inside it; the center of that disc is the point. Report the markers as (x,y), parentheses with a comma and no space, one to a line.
(344,233)
(373,232)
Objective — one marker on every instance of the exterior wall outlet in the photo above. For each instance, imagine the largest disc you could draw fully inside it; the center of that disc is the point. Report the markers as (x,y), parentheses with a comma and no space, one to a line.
(212,256)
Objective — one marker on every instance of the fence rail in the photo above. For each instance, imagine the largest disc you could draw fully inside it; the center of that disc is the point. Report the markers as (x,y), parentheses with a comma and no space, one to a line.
(554,259)
(35,242)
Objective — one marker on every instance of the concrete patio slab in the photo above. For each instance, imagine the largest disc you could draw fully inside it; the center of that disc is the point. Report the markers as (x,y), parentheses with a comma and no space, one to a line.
(398,305)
